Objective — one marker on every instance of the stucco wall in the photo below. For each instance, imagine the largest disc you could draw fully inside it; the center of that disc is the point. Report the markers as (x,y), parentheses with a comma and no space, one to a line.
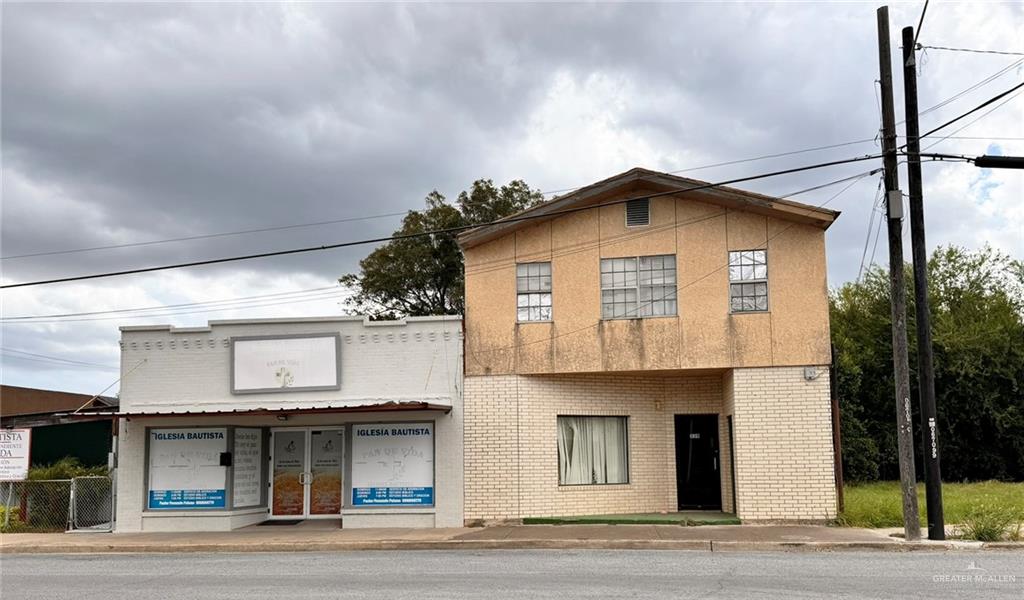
(704,334)
(511,441)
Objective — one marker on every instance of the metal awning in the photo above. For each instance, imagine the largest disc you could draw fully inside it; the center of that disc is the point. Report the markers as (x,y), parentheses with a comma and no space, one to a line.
(371,406)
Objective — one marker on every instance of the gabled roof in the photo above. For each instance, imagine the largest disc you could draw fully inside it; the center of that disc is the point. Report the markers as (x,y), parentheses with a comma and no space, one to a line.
(638,182)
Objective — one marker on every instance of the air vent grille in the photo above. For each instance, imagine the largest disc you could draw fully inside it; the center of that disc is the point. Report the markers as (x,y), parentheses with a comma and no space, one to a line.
(638,213)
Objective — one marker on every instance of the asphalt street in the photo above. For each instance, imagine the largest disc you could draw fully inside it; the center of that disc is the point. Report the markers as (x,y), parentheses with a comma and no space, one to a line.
(519,574)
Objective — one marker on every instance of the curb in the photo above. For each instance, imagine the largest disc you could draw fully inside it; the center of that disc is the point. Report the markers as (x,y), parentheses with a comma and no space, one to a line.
(525,544)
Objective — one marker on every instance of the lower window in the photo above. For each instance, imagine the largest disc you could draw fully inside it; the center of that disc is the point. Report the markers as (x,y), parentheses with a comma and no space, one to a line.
(592,450)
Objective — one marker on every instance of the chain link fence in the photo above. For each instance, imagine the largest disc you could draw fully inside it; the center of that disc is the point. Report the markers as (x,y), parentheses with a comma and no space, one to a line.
(92,503)
(54,505)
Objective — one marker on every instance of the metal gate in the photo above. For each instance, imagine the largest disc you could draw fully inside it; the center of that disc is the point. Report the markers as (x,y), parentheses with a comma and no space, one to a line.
(54,505)
(92,504)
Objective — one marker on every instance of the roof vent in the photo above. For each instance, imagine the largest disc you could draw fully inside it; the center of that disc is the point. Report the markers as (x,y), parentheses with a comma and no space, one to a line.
(638,212)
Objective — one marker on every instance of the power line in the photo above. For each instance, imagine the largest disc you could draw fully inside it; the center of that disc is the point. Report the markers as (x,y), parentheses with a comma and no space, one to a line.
(858,177)
(921,47)
(67,317)
(920,21)
(675,293)
(878,234)
(172,306)
(499,264)
(379,216)
(977,85)
(288,301)
(979,137)
(48,357)
(448,230)
(871,223)
(973,110)
(52,363)
(203,237)
(740,161)
(972,122)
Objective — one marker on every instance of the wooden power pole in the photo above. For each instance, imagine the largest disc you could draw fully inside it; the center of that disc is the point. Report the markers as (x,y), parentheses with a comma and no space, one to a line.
(898,293)
(922,311)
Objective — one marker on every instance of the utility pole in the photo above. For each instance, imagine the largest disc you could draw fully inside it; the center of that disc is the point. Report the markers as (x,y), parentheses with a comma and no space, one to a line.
(925,366)
(894,218)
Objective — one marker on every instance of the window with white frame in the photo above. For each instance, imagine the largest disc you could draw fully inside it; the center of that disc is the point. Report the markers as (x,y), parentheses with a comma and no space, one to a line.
(640,286)
(748,280)
(592,450)
(533,291)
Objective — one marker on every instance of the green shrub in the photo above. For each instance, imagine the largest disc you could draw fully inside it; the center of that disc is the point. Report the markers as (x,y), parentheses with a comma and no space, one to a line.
(65,468)
(988,523)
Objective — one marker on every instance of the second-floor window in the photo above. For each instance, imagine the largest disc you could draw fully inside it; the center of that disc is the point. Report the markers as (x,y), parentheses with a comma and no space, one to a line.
(639,286)
(748,280)
(533,291)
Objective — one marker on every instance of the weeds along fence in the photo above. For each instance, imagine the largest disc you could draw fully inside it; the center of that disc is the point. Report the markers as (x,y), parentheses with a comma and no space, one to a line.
(55,505)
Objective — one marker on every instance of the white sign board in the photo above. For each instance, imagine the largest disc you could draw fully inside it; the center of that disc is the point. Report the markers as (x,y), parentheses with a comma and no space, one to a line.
(185,470)
(285,364)
(247,463)
(393,464)
(15,447)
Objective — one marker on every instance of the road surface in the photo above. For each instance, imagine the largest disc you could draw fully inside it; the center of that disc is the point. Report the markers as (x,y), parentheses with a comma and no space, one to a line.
(515,574)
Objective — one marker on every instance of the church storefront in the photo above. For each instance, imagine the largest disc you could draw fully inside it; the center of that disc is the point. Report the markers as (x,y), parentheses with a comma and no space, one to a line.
(243,422)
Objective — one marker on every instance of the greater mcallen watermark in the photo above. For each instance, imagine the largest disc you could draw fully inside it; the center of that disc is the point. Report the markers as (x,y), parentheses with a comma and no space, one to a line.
(974,575)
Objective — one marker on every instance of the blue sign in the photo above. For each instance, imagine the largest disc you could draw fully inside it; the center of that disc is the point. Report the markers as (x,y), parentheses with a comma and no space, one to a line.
(390,496)
(186,499)
(185,470)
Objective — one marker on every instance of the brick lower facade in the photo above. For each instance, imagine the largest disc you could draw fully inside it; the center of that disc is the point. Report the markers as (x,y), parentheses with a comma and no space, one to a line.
(781,428)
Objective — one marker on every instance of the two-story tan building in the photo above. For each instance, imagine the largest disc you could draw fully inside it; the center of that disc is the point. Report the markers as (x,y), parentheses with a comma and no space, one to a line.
(631,347)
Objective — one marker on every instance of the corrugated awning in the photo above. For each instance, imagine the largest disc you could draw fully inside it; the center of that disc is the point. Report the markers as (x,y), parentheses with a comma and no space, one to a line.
(388,405)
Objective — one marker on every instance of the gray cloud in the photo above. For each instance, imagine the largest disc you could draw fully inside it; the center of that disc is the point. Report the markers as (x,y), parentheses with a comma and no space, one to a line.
(124,123)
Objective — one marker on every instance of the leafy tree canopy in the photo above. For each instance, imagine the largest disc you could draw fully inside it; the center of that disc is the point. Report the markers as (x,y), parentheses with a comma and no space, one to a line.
(423,275)
(977,304)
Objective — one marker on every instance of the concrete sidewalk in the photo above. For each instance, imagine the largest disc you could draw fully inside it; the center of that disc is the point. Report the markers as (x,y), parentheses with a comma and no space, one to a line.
(313,536)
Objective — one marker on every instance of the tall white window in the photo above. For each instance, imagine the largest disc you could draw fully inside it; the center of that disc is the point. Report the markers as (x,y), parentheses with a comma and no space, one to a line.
(592,450)
(642,286)
(748,280)
(533,291)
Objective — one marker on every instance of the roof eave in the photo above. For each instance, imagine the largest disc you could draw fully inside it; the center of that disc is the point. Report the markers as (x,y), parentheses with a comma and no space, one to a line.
(663,182)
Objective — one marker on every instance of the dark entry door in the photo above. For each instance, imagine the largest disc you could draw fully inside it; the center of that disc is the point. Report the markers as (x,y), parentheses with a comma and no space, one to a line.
(698,482)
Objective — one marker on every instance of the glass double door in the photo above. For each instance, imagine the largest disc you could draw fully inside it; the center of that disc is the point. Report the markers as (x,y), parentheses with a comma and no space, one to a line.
(307,472)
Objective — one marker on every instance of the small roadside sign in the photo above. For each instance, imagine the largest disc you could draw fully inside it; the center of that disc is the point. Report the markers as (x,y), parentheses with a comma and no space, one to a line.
(15,447)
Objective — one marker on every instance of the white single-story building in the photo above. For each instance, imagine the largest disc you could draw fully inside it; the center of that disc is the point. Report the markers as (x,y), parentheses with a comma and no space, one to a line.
(241,422)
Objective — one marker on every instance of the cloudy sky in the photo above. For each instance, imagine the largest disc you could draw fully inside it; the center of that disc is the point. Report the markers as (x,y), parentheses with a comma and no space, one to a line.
(127,124)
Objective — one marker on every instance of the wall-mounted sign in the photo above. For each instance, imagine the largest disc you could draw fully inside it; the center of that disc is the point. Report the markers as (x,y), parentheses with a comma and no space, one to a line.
(248,467)
(185,469)
(285,363)
(393,464)
(15,448)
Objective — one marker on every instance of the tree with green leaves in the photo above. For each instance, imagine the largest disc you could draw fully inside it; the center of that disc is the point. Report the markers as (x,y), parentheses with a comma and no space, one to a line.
(423,274)
(977,304)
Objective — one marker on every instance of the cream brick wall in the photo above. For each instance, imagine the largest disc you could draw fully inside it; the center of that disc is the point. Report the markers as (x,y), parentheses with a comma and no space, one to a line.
(511,449)
(783,435)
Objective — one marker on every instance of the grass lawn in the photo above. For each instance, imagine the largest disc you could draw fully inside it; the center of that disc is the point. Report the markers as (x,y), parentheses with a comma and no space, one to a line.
(878,504)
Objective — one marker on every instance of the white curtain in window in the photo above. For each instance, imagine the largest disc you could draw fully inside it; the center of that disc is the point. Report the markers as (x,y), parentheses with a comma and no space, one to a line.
(592,450)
